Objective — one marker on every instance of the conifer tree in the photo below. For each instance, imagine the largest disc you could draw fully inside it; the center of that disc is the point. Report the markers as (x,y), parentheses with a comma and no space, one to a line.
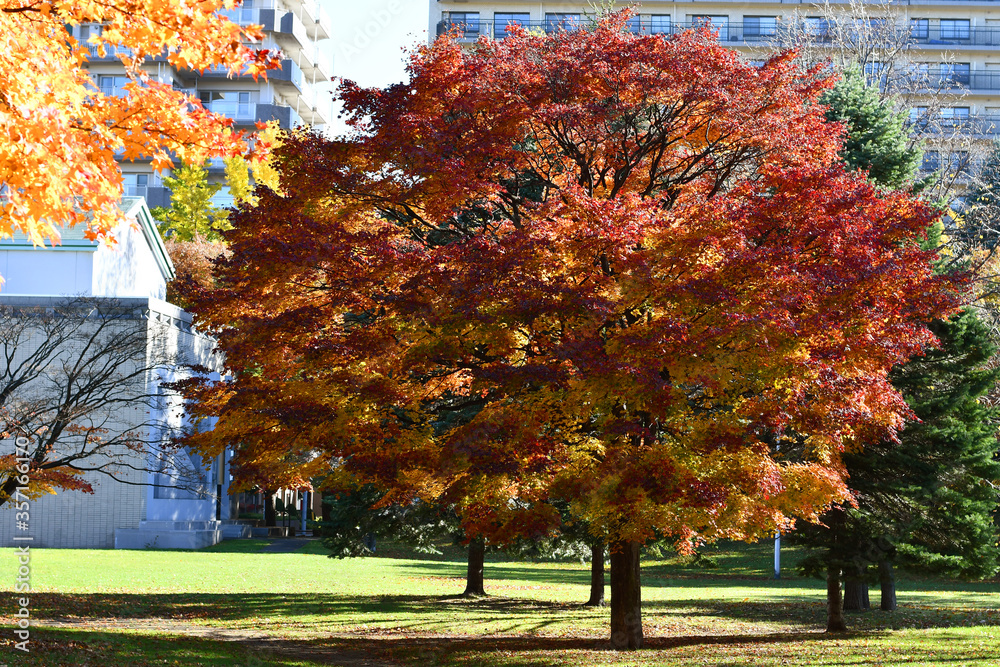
(876,138)
(927,500)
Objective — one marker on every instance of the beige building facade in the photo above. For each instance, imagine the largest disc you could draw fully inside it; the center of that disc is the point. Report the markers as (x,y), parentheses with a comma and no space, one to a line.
(954,45)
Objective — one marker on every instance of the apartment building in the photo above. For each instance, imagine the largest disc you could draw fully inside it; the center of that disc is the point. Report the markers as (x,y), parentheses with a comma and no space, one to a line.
(297,94)
(954,44)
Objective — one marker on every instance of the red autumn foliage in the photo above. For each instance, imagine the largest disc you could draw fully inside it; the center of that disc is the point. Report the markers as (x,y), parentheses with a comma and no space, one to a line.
(624,271)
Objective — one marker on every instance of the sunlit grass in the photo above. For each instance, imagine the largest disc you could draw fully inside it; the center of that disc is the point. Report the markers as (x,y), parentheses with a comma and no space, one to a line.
(408,609)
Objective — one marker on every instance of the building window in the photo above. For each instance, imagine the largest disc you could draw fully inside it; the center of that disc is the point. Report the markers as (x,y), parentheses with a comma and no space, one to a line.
(755,27)
(717,23)
(955,116)
(956,73)
(659,24)
(954,28)
(918,116)
(502,20)
(955,112)
(112,86)
(557,22)
(467,22)
(875,73)
(235,104)
(817,27)
(135,185)
(958,161)
(932,161)
(920,28)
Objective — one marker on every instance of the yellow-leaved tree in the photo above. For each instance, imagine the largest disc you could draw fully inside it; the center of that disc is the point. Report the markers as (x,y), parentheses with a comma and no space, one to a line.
(61,137)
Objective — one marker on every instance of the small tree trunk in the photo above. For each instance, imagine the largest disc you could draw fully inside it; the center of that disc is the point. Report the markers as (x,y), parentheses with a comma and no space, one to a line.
(474,576)
(887,580)
(270,516)
(596,576)
(626,597)
(834,604)
(855,590)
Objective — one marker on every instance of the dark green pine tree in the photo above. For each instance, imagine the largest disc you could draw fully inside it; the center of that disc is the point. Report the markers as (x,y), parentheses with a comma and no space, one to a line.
(927,501)
(945,503)
(876,139)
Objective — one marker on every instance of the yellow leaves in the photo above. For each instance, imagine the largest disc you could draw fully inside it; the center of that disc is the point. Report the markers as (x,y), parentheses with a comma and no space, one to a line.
(59,134)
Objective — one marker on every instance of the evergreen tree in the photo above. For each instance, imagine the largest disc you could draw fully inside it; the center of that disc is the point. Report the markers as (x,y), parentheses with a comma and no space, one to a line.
(876,137)
(926,501)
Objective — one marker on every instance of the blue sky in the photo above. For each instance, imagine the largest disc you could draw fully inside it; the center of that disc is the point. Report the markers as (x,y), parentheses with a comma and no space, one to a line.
(370,35)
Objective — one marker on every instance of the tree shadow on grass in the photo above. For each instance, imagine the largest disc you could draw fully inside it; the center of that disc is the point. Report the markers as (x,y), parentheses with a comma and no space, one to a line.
(56,648)
(325,613)
(653,576)
(528,650)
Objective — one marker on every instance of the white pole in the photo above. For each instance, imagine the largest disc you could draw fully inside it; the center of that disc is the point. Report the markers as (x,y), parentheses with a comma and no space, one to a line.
(777,555)
(305,509)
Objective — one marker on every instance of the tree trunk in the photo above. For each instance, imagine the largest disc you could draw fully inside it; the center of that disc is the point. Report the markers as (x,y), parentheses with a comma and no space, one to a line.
(855,590)
(887,579)
(474,576)
(834,604)
(270,516)
(856,595)
(626,597)
(596,576)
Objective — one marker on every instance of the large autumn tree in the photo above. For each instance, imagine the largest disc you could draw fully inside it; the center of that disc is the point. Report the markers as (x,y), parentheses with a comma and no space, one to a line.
(61,137)
(622,271)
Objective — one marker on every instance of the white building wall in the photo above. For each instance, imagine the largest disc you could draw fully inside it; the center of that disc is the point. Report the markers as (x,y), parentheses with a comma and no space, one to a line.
(46,271)
(73,519)
(128,268)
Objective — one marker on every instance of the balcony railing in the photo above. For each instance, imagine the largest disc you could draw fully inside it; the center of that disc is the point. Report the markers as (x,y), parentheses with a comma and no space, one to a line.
(743,33)
(976,124)
(242,15)
(727,32)
(934,36)
(110,52)
(242,111)
(974,81)
(113,91)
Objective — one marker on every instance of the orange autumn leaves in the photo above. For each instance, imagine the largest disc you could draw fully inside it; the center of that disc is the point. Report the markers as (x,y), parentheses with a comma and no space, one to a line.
(60,134)
(619,271)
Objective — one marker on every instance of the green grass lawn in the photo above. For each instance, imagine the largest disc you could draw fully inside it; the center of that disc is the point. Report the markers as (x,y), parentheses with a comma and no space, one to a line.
(234,605)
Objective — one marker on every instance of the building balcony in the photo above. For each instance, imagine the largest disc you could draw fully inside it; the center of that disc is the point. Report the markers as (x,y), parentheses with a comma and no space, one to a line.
(732,33)
(309,12)
(735,33)
(985,125)
(297,41)
(241,112)
(111,53)
(934,37)
(976,82)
